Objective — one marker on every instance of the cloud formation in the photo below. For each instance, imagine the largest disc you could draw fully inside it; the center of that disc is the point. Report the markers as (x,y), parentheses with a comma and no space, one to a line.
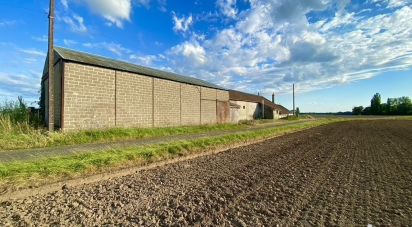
(76,23)
(275,43)
(181,24)
(114,11)
(227,8)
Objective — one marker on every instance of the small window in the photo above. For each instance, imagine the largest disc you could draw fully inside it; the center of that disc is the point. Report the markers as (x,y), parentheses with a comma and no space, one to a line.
(243,107)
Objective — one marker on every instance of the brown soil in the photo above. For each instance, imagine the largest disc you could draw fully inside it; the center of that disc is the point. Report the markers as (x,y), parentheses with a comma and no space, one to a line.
(353,173)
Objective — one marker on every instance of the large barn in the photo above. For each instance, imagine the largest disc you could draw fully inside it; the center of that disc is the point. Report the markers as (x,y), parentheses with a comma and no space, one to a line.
(93,92)
(245,106)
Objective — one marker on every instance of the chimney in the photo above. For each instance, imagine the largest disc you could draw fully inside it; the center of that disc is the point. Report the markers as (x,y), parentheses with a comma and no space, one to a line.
(273,97)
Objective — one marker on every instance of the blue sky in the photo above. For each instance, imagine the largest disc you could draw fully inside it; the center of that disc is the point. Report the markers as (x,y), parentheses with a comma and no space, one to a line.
(338,53)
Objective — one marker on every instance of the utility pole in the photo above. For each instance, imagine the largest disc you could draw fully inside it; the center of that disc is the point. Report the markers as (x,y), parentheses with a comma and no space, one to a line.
(293,99)
(51,66)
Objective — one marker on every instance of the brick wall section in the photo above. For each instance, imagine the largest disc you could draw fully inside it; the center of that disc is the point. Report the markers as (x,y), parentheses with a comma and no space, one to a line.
(45,83)
(222,95)
(209,112)
(133,100)
(166,103)
(89,97)
(57,94)
(208,93)
(190,104)
(95,98)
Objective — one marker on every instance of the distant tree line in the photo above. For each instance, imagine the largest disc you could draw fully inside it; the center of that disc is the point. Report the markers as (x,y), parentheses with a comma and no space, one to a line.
(393,106)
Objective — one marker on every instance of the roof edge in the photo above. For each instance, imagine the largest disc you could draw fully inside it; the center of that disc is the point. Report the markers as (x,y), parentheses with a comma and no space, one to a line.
(58,52)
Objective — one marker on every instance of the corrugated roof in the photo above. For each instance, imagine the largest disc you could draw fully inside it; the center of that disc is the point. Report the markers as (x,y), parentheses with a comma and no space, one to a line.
(89,59)
(246,97)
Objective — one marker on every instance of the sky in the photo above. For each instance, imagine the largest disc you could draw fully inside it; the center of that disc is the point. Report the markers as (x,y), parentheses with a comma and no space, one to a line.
(337,52)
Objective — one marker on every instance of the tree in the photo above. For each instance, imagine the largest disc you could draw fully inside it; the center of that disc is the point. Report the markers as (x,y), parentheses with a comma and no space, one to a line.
(376,107)
(297,111)
(405,105)
(357,110)
(366,111)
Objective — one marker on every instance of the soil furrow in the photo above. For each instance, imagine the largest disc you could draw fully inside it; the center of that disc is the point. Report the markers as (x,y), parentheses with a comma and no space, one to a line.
(348,173)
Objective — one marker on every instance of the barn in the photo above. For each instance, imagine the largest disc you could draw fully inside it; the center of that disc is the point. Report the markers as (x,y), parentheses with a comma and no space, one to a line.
(245,106)
(93,92)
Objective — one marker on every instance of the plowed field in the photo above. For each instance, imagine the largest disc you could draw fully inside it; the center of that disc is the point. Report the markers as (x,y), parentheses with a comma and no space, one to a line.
(352,173)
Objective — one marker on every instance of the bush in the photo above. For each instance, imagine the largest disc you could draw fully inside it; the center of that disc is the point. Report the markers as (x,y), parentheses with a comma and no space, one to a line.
(15,116)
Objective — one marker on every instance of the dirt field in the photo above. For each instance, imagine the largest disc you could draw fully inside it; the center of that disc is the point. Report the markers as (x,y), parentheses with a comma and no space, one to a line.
(354,173)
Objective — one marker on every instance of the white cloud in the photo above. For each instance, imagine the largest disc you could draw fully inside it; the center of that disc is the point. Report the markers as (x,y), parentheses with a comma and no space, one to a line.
(20,84)
(147,60)
(191,51)
(69,42)
(65,4)
(162,5)
(42,38)
(145,3)
(182,24)
(393,3)
(76,23)
(33,52)
(227,7)
(114,48)
(273,44)
(114,11)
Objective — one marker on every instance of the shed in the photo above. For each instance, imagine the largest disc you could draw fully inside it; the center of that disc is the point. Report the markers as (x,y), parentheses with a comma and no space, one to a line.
(94,92)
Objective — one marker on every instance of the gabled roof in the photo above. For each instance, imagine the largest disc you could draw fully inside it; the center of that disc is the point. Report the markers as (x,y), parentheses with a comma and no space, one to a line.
(94,60)
(281,109)
(246,97)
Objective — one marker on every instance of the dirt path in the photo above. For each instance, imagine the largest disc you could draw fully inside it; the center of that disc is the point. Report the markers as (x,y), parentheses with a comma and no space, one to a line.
(353,173)
(44,153)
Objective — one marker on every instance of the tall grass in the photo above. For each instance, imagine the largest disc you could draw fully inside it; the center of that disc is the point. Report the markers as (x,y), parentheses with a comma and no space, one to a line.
(16,118)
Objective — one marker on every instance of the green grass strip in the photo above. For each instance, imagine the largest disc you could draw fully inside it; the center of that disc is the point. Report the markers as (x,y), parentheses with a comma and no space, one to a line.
(37,138)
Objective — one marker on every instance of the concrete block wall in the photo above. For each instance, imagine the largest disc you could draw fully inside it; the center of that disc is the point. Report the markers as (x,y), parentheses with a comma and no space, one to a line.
(222,95)
(57,94)
(208,105)
(247,111)
(190,101)
(96,97)
(166,103)
(134,100)
(89,97)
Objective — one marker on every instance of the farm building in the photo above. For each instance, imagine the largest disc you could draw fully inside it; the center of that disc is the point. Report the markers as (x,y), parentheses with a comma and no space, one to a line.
(245,106)
(93,92)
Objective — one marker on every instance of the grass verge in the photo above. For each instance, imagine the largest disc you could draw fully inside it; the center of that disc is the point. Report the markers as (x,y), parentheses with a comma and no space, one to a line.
(28,174)
(38,138)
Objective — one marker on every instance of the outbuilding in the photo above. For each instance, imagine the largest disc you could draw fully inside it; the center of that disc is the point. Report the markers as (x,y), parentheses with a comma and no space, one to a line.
(93,92)
(245,106)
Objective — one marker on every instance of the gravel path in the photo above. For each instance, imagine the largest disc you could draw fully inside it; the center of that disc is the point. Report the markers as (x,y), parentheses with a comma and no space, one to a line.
(353,173)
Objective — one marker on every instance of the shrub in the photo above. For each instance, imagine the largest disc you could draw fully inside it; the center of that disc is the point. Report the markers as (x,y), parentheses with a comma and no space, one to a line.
(15,116)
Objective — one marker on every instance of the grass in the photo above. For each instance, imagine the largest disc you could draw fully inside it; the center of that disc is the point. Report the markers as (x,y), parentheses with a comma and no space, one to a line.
(23,174)
(22,135)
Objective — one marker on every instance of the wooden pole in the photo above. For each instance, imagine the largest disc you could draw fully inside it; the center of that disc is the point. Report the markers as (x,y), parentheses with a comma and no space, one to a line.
(293,99)
(51,68)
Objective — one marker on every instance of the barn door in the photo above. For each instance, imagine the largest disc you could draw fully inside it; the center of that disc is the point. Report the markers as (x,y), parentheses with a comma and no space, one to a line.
(222,112)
